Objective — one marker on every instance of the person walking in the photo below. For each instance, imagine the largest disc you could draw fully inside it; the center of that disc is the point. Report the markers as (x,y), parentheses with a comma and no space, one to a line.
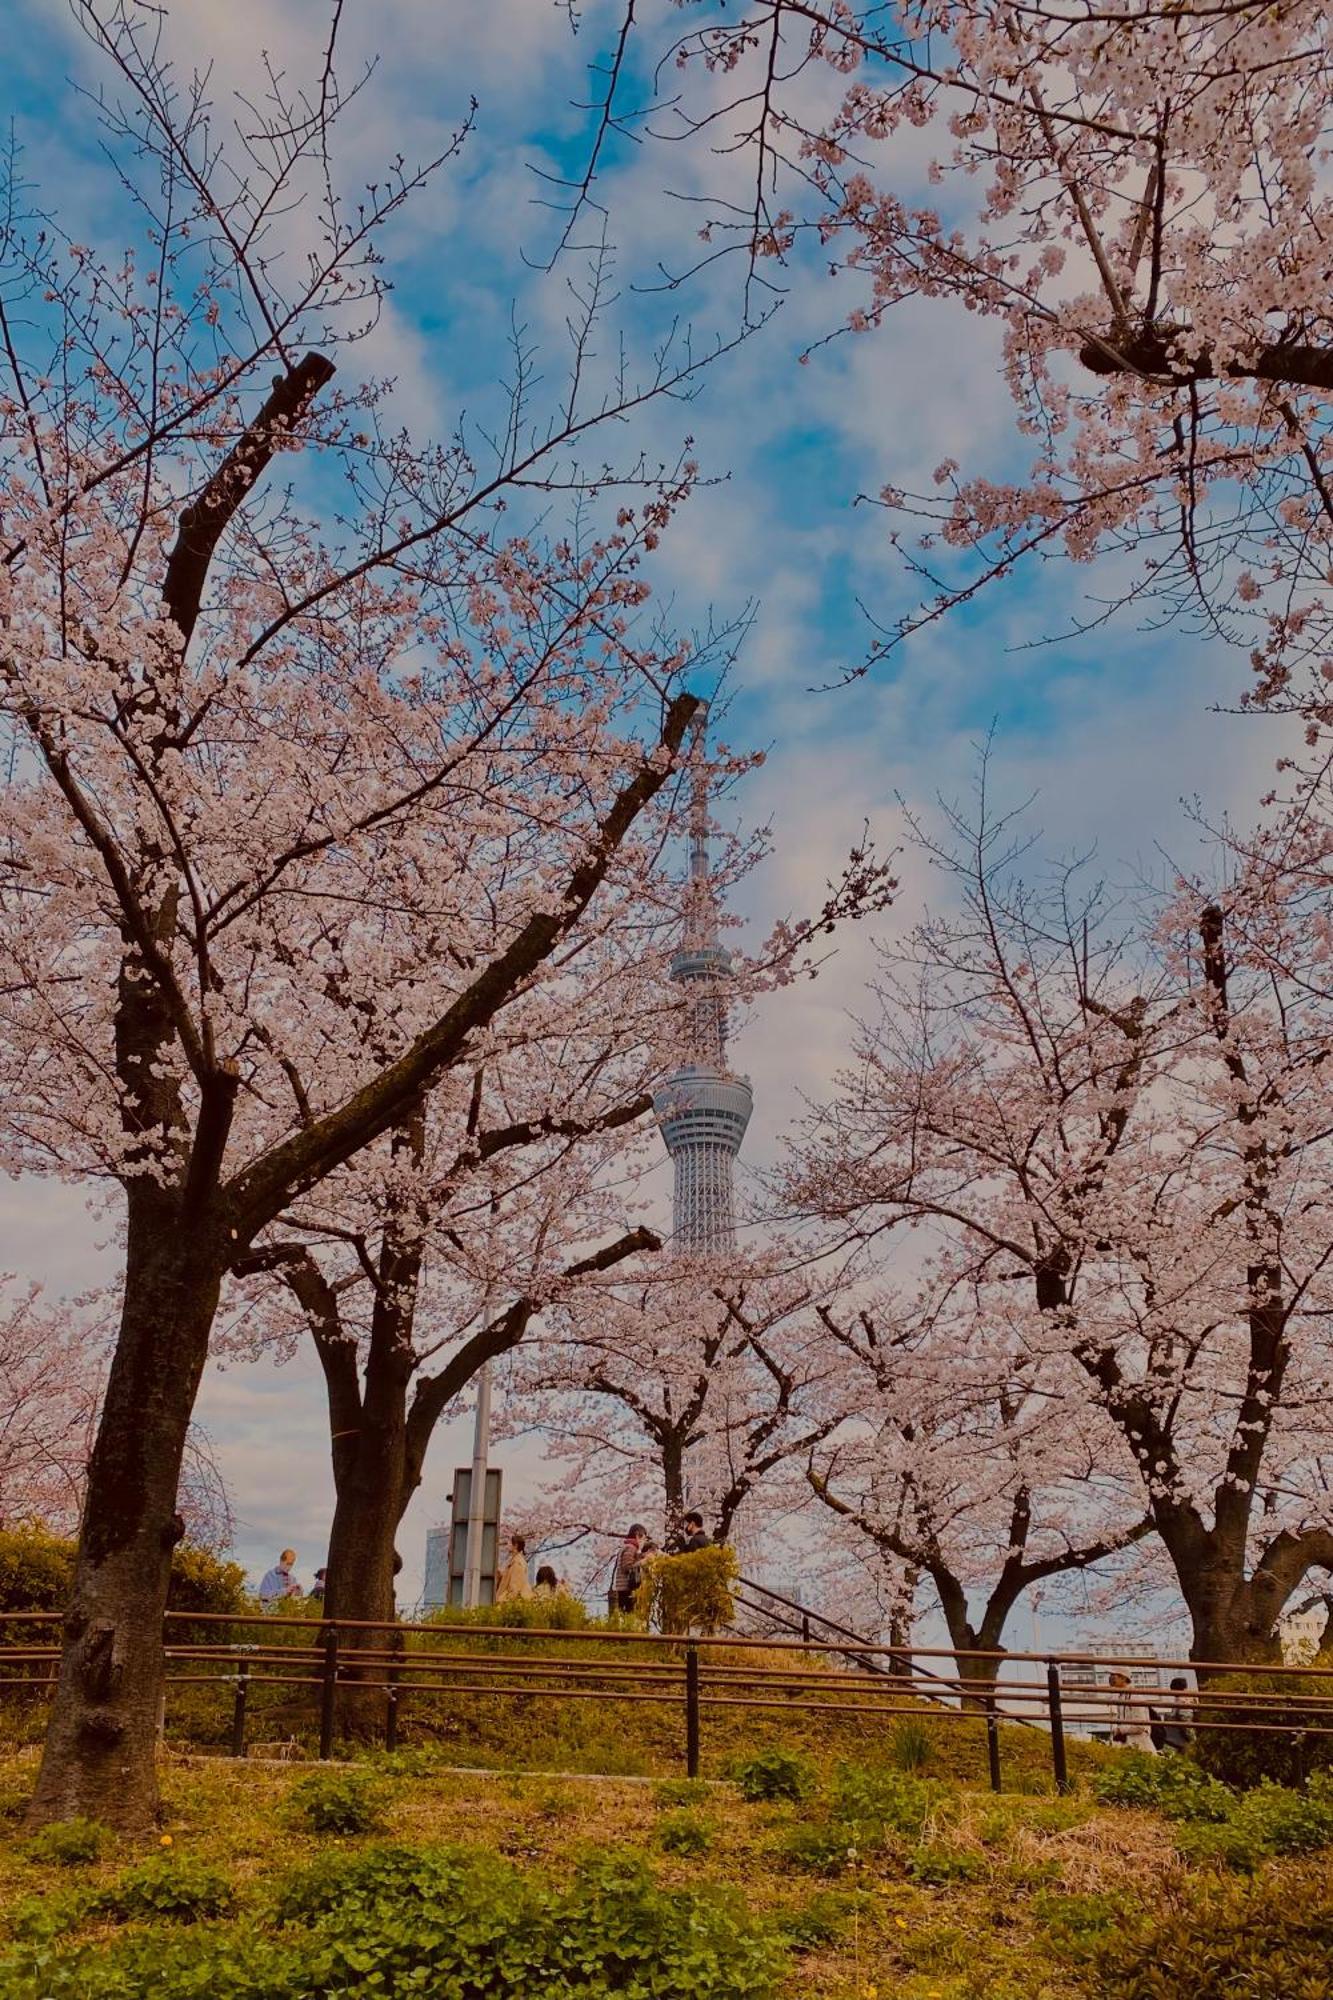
(629,1569)
(512,1586)
(548,1583)
(278,1582)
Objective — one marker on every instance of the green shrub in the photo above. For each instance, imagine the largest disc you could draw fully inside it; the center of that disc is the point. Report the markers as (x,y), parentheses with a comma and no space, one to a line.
(939,1866)
(36,1569)
(689,1593)
(1244,1757)
(1268,1940)
(910,1745)
(560,1613)
(69,1843)
(175,1886)
(774,1773)
(348,1801)
(1174,1786)
(683,1832)
(883,1803)
(1285,1822)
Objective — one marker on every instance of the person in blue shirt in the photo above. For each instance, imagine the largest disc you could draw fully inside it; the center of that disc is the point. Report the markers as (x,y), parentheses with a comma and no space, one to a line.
(279,1582)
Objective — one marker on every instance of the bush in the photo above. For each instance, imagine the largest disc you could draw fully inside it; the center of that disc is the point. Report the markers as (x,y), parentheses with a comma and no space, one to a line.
(1174,1786)
(560,1613)
(348,1801)
(396,1921)
(1285,1822)
(885,1803)
(1269,1940)
(774,1774)
(175,1886)
(683,1833)
(36,1569)
(1244,1757)
(689,1593)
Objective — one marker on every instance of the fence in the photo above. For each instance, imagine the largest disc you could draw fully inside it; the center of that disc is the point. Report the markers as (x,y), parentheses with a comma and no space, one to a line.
(388,1668)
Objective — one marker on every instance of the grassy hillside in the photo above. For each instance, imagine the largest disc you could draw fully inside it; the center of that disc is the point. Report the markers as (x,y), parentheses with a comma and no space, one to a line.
(841,1880)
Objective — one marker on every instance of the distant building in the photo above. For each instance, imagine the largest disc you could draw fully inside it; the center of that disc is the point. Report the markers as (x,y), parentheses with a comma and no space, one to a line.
(435,1591)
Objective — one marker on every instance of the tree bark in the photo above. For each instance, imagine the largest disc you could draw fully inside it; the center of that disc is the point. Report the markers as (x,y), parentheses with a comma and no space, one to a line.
(100,1757)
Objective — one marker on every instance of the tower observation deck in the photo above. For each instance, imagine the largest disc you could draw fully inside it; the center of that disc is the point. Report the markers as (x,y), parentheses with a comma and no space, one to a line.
(703,1109)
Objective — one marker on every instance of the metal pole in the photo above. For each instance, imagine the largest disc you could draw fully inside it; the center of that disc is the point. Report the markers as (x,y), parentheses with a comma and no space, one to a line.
(692,1711)
(328,1692)
(1055,1710)
(476,1506)
(391,1693)
(993,1744)
(238,1710)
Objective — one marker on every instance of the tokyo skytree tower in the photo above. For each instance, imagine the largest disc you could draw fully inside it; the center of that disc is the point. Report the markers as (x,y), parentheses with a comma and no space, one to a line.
(703,1109)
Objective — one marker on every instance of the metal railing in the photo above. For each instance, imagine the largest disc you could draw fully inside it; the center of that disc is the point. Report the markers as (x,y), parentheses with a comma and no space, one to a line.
(387,1667)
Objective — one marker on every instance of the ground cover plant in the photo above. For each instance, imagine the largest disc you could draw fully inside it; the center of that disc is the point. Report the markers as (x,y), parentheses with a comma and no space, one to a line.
(504,1883)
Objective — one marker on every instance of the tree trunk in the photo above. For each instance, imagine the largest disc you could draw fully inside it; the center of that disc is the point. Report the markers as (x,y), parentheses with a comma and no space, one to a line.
(360,1587)
(100,1756)
(1230,1621)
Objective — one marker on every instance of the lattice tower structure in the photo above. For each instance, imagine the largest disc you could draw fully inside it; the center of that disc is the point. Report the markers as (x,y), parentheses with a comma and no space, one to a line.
(704,1108)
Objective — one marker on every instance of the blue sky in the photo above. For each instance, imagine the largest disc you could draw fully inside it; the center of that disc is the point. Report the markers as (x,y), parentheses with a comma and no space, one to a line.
(1111,731)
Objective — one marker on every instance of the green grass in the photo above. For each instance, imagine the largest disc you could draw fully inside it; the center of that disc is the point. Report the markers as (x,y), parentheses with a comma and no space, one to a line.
(934,1890)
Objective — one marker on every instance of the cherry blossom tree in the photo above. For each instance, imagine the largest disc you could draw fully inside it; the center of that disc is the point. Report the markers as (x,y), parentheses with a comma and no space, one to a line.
(674,1390)
(1114,1129)
(966,1463)
(276,744)
(50,1385)
(1136,196)
(53,1364)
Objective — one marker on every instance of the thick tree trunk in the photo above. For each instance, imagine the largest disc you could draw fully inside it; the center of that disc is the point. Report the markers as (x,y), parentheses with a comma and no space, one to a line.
(1230,1621)
(371,1499)
(99,1760)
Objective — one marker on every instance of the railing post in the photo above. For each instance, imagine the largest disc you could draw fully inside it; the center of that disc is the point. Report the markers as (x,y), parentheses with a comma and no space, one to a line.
(328,1692)
(238,1709)
(993,1744)
(805,1628)
(398,1646)
(692,1711)
(1055,1711)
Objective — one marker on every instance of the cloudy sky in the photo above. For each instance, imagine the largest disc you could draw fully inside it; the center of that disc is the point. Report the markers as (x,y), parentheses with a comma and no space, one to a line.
(1114,734)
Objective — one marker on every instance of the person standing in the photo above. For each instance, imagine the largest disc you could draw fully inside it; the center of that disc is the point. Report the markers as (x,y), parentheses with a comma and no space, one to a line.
(278,1582)
(695,1537)
(512,1586)
(629,1569)
(1129,1723)
(1174,1726)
